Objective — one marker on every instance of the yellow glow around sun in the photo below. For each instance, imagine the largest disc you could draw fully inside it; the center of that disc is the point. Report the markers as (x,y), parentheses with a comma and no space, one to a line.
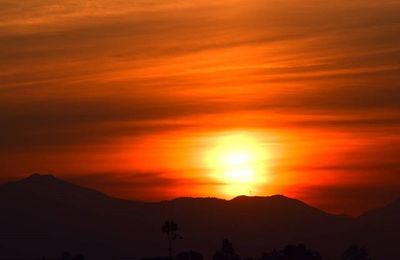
(238,160)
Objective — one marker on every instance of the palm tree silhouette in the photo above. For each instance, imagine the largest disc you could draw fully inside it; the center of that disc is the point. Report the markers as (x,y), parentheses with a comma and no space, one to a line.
(170,228)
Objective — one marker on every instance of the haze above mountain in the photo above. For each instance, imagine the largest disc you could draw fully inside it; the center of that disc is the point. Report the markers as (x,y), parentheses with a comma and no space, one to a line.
(43,215)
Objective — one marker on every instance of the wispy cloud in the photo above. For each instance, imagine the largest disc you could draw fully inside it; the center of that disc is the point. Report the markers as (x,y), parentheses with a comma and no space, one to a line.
(82,74)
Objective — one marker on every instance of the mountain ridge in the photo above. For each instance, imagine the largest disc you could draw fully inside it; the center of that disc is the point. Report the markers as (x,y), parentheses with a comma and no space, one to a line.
(44,178)
(68,216)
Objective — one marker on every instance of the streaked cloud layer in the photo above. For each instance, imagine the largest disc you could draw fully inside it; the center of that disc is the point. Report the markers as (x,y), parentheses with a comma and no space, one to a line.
(126,89)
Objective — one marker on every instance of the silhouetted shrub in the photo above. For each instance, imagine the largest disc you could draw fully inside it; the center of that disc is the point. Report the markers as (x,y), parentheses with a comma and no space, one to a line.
(65,256)
(79,257)
(273,255)
(300,252)
(292,252)
(227,252)
(354,252)
(156,258)
(189,255)
(68,256)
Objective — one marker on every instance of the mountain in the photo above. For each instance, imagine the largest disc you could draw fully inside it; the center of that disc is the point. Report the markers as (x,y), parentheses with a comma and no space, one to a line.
(42,215)
(380,230)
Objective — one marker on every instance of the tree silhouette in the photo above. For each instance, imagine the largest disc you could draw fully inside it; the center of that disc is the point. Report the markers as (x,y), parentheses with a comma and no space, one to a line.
(292,252)
(354,252)
(68,256)
(79,257)
(190,255)
(227,252)
(274,255)
(300,252)
(170,228)
(65,256)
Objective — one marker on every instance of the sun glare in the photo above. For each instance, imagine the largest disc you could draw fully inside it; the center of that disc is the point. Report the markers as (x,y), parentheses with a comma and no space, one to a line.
(238,160)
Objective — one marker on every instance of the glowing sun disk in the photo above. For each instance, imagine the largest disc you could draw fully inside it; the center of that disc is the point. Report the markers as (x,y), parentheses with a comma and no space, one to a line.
(239,161)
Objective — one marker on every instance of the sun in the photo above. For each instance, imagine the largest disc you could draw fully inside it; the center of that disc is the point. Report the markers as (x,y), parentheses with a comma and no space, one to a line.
(238,160)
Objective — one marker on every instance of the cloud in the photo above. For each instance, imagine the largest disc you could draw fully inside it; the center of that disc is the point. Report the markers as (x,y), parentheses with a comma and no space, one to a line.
(74,122)
(78,75)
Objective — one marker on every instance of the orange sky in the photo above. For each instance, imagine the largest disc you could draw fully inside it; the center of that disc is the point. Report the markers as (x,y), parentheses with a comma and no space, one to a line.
(129,97)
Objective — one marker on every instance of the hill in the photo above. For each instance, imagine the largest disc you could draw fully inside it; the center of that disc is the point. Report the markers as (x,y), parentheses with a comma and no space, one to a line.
(43,215)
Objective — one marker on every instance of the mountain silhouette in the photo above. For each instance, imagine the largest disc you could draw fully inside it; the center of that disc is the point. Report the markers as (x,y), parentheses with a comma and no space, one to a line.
(43,215)
(380,230)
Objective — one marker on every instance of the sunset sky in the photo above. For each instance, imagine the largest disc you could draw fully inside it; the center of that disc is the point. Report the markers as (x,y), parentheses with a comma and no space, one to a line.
(157,99)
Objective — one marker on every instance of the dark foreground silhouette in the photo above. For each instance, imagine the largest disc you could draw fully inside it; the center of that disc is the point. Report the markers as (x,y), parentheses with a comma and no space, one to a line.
(227,252)
(43,216)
